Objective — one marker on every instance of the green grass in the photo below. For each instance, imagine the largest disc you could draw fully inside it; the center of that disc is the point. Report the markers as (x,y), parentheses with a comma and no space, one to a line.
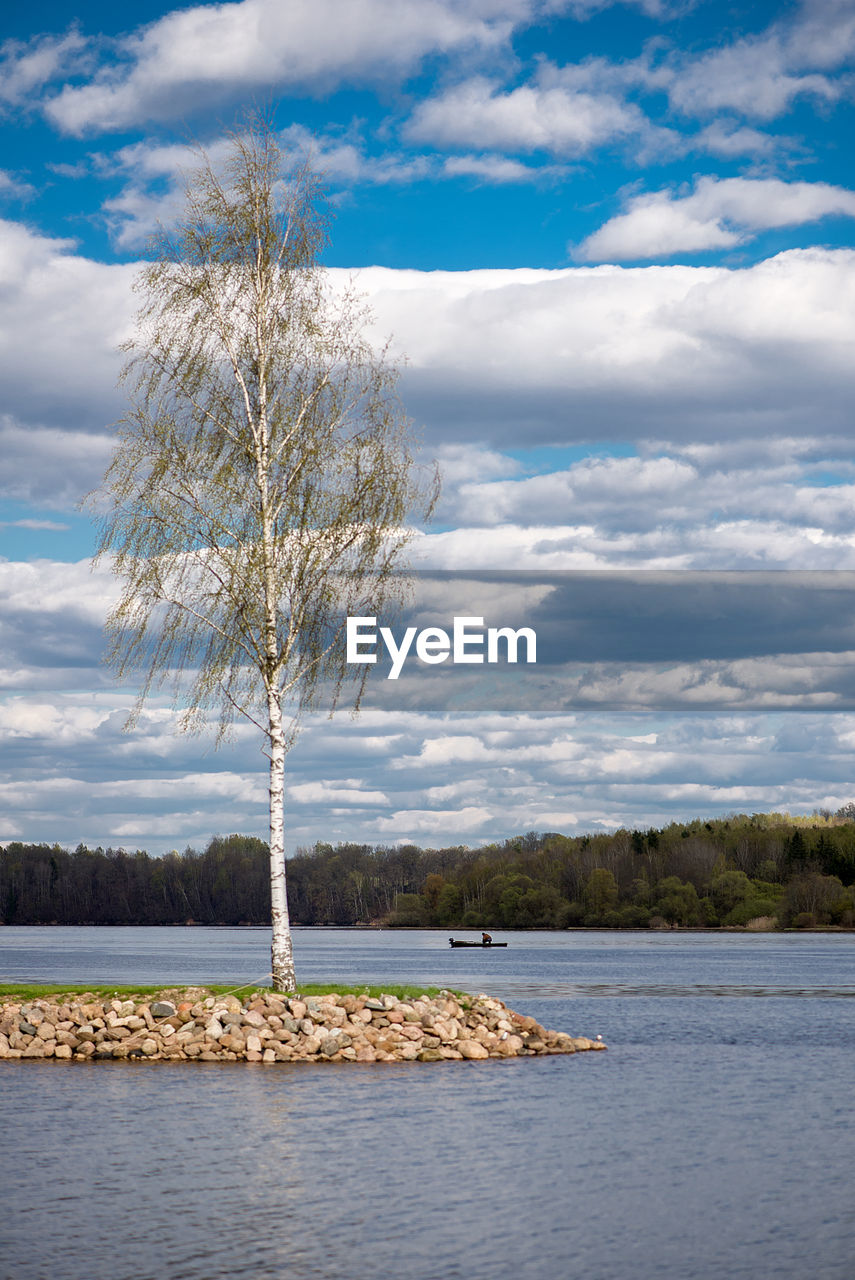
(10,991)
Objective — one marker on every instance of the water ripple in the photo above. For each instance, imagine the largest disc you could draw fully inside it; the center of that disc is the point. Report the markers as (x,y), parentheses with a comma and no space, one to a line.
(574,990)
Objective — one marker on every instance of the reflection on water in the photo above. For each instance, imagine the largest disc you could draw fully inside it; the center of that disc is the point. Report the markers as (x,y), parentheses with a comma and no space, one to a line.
(712,1142)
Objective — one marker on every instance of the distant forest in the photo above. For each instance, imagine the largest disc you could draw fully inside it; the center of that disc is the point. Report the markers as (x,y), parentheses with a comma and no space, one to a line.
(760,871)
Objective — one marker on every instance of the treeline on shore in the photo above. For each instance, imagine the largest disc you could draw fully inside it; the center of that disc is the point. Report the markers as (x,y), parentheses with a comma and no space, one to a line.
(760,871)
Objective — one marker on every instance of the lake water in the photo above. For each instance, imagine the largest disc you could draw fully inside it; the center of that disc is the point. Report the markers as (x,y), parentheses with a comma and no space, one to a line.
(713,1141)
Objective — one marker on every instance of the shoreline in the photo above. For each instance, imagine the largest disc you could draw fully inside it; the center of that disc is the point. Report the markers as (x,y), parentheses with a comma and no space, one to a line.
(362,927)
(191,1025)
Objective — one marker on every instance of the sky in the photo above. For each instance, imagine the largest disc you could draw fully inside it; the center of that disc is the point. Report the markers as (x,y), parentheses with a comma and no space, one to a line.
(614,243)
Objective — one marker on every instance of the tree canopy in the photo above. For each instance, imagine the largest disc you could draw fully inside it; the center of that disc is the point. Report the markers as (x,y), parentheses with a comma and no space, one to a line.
(727,872)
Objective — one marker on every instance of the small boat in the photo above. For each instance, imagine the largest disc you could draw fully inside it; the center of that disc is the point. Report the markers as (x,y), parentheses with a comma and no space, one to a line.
(453,942)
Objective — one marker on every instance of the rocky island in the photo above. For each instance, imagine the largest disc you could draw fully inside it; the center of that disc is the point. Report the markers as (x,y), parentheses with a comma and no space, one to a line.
(190,1025)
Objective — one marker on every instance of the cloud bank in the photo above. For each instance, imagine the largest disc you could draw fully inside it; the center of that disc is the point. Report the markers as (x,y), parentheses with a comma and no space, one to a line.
(586,354)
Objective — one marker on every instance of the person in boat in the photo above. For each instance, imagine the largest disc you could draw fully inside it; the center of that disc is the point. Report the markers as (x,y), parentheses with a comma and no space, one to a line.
(486,939)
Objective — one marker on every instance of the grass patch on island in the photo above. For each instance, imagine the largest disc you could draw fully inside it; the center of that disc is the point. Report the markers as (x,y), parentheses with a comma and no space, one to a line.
(15,991)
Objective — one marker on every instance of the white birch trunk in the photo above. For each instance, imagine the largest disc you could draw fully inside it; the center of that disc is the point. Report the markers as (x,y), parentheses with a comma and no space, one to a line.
(281,952)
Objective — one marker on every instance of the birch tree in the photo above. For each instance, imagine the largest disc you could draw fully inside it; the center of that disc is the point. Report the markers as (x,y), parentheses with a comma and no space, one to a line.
(263,478)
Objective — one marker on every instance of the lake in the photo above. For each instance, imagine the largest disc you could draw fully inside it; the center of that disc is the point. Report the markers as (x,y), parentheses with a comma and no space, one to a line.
(713,1141)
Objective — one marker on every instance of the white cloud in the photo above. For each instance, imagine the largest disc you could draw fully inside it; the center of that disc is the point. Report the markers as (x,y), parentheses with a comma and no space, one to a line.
(51,625)
(593,490)
(26,68)
(703,543)
(609,353)
(61,319)
(28,718)
(196,56)
(506,356)
(430,824)
(754,77)
(719,214)
(464,463)
(530,118)
(349,792)
(744,504)
(12,188)
(728,139)
(583,9)
(49,466)
(492,168)
(71,591)
(47,526)
(808,682)
(761,76)
(824,33)
(214,784)
(673,492)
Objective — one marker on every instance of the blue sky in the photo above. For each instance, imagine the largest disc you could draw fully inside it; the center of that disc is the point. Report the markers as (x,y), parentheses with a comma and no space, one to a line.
(615,244)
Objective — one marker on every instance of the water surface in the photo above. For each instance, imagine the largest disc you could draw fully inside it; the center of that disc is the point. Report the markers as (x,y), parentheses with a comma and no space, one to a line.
(713,1140)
